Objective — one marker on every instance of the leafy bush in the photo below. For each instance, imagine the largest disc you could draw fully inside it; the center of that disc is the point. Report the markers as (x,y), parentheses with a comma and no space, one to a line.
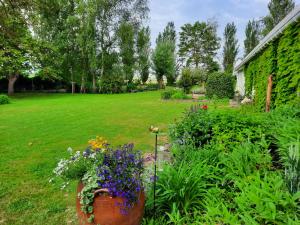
(195,129)
(285,123)
(4,99)
(265,200)
(167,94)
(220,128)
(199,76)
(151,87)
(180,95)
(174,94)
(220,84)
(235,151)
(187,197)
(112,83)
(186,79)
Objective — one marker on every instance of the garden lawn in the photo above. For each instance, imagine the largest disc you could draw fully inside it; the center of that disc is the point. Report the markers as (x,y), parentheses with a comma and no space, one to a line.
(36,130)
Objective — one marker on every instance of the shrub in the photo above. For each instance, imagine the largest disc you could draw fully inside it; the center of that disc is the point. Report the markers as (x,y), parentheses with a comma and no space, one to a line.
(195,129)
(265,200)
(183,185)
(167,94)
(220,84)
(174,94)
(180,95)
(199,76)
(4,99)
(225,130)
(112,83)
(186,79)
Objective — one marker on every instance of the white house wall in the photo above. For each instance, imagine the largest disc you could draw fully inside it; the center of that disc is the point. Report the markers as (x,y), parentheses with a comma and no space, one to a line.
(240,82)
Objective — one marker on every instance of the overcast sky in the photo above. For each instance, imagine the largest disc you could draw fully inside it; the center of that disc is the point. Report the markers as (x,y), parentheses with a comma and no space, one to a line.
(189,11)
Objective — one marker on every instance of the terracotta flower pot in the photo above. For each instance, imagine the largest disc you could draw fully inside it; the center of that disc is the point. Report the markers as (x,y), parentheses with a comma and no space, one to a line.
(107,210)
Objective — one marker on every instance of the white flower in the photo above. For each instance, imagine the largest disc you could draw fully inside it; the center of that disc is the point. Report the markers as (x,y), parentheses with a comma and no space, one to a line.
(61,167)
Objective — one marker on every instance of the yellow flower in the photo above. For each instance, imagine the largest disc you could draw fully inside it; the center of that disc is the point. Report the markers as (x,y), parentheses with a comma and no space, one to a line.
(98,143)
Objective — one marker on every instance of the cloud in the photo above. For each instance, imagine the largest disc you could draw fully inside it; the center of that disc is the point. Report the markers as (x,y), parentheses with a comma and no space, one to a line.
(189,11)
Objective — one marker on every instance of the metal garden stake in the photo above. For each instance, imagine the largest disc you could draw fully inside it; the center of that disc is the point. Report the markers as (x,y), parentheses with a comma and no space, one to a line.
(154,130)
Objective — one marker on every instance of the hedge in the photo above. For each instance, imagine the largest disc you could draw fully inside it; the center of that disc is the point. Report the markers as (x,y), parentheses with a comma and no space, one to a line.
(220,84)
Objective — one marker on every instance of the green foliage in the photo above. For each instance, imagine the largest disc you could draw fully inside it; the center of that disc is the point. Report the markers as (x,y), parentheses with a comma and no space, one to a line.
(257,73)
(186,79)
(199,44)
(264,199)
(174,94)
(194,129)
(143,52)
(278,9)
(180,95)
(288,63)
(230,49)
(4,99)
(190,77)
(242,185)
(169,34)
(126,44)
(112,83)
(187,197)
(164,62)
(252,34)
(285,130)
(220,84)
(167,94)
(281,59)
(292,168)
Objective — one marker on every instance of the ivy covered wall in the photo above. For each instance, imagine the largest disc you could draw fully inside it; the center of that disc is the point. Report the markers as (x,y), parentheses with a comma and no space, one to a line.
(281,58)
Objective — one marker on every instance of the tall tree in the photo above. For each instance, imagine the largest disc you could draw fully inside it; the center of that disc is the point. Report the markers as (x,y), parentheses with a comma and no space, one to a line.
(16,41)
(230,49)
(163,61)
(199,44)
(252,33)
(278,9)
(126,45)
(59,25)
(169,35)
(143,53)
(110,14)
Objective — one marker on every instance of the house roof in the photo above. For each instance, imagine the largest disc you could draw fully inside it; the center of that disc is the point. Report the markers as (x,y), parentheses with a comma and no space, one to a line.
(278,29)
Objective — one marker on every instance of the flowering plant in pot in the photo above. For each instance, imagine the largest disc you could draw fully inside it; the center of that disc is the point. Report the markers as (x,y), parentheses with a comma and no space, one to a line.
(113,174)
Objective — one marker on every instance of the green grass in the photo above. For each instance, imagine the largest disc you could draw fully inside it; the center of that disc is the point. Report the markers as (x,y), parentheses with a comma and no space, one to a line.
(36,130)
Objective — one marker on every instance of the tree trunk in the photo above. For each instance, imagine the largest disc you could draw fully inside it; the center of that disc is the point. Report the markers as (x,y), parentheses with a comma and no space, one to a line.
(11,83)
(82,87)
(161,83)
(73,87)
(94,83)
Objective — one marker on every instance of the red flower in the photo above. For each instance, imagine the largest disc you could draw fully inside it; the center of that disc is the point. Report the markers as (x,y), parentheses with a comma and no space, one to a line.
(205,107)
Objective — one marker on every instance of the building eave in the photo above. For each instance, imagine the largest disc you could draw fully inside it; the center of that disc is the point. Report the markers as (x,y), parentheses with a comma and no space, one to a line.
(274,33)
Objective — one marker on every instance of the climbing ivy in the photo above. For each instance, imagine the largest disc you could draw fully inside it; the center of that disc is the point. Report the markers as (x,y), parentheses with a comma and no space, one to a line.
(281,58)
(257,73)
(288,75)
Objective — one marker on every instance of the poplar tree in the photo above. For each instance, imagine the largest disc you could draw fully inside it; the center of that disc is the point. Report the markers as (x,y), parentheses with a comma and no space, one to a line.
(230,49)
(143,53)
(252,34)
(278,9)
